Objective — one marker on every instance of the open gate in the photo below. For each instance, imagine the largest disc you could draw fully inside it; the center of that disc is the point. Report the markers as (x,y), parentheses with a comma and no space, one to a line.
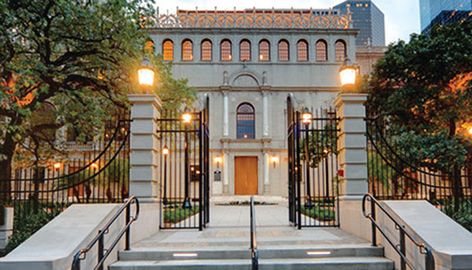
(313,167)
(184,168)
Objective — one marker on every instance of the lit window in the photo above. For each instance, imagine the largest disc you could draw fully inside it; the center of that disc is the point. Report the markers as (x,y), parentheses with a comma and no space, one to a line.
(284,51)
(245,51)
(206,50)
(168,50)
(226,50)
(340,50)
(149,47)
(302,51)
(264,51)
(321,51)
(187,50)
(245,122)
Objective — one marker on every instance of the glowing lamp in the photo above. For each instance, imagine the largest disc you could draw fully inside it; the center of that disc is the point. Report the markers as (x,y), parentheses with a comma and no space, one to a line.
(57,165)
(146,73)
(187,118)
(306,118)
(165,151)
(348,73)
(275,160)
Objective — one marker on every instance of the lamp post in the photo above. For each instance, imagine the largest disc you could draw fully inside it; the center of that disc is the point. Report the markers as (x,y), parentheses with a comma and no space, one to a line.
(146,74)
(165,153)
(348,74)
(307,118)
(186,119)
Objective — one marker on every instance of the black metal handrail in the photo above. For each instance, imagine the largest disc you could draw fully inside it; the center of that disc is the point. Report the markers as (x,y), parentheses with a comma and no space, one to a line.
(254,252)
(400,248)
(100,238)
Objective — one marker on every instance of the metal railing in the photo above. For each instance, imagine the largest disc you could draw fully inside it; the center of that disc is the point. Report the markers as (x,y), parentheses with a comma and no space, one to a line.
(400,248)
(100,238)
(254,252)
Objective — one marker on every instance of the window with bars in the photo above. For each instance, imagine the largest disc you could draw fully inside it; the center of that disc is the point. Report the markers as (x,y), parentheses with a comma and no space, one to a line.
(302,51)
(264,51)
(168,50)
(321,51)
(226,51)
(245,51)
(340,47)
(245,122)
(187,50)
(206,50)
(284,54)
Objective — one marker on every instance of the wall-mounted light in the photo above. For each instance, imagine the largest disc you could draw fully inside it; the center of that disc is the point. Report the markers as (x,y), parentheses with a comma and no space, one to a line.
(218,160)
(186,118)
(307,117)
(165,151)
(275,160)
(94,166)
(57,166)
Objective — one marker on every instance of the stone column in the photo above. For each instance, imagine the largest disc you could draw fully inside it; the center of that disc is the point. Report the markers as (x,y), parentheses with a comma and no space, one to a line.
(6,225)
(352,159)
(265,114)
(144,147)
(266,173)
(225,114)
(226,173)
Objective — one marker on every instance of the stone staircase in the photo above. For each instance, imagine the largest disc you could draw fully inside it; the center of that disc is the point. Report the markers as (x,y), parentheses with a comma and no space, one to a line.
(279,248)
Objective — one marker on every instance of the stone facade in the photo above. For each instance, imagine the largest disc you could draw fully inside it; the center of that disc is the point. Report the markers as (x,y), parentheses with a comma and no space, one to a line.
(263,84)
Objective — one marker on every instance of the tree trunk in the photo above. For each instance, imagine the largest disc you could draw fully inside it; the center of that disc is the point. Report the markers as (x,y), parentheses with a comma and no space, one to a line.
(6,168)
(456,173)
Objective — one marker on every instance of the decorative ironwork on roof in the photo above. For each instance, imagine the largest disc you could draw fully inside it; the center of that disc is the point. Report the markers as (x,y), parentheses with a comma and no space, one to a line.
(252,18)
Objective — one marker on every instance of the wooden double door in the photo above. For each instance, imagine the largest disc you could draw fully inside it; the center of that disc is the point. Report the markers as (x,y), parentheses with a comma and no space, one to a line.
(245,176)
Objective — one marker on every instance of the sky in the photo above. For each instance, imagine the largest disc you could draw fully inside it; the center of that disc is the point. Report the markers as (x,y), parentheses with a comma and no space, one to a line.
(401,16)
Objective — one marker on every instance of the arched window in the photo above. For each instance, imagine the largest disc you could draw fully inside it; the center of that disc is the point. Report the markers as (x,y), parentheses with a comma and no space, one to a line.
(187,50)
(206,50)
(168,50)
(264,51)
(149,47)
(245,51)
(302,51)
(340,50)
(245,122)
(225,50)
(321,51)
(284,54)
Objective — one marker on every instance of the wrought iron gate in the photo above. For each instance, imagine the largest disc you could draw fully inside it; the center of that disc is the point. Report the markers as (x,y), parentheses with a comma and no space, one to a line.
(184,168)
(313,167)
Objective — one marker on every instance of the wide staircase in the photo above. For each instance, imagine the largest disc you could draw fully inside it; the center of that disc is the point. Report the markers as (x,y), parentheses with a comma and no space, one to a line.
(226,245)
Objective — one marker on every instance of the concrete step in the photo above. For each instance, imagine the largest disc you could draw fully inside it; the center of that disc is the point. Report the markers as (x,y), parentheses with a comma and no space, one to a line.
(273,252)
(333,263)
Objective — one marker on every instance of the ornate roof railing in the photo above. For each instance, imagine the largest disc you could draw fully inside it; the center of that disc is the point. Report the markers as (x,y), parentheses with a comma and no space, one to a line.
(256,18)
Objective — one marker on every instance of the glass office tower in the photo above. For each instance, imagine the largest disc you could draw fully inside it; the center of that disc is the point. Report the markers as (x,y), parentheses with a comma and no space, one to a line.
(435,12)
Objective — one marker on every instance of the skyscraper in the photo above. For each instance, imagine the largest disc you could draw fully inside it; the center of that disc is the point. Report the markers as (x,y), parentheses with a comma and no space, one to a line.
(435,12)
(368,18)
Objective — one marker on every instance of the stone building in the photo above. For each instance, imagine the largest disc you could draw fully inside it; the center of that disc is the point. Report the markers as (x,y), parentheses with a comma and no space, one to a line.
(248,62)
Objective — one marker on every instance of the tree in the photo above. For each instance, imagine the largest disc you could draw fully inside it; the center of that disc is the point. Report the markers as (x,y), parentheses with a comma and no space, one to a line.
(423,90)
(73,54)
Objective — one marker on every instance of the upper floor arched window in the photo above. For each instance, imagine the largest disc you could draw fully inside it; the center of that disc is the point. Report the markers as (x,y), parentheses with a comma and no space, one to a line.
(206,50)
(245,51)
(302,51)
(225,50)
(168,50)
(321,51)
(340,47)
(284,54)
(187,50)
(264,51)
(245,121)
(149,47)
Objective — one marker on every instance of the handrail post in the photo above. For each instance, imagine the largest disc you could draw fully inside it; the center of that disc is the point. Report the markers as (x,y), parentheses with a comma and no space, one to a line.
(101,250)
(373,215)
(76,263)
(429,260)
(402,248)
(127,217)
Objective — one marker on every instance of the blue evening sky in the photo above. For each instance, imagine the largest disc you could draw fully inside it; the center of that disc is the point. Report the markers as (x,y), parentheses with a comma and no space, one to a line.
(401,16)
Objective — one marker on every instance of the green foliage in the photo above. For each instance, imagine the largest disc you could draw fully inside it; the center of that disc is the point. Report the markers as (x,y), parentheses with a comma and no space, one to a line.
(463,216)
(319,212)
(29,218)
(379,169)
(320,145)
(175,214)
(423,91)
